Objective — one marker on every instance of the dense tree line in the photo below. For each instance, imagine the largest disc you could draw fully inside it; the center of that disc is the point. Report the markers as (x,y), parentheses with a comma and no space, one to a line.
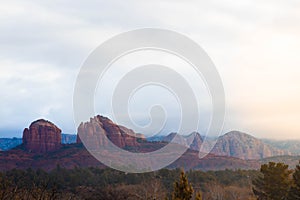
(273,181)
(95,183)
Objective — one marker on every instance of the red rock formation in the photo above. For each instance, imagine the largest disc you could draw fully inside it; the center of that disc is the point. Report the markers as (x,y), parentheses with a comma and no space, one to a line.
(119,135)
(193,141)
(244,146)
(42,136)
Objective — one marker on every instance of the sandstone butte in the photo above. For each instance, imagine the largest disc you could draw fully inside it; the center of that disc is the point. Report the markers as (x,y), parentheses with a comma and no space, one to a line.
(42,136)
(119,135)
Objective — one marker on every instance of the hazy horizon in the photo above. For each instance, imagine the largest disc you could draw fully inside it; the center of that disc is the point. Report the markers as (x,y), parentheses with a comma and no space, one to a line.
(18,134)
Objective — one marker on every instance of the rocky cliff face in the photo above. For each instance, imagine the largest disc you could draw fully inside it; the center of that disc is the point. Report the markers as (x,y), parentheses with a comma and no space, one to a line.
(244,146)
(197,141)
(193,141)
(42,136)
(91,131)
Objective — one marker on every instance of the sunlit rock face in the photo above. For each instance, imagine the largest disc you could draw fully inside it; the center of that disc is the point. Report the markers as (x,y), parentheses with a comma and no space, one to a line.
(244,146)
(91,132)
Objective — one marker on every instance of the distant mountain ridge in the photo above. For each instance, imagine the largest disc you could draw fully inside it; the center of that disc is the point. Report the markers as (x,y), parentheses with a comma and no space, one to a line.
(234,150)
(10,143)
(292,146)
(68,138)
(232,144)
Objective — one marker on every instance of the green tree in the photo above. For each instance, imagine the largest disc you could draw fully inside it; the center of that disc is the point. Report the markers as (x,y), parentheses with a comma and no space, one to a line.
(295,189)
(274,183)
(183,190)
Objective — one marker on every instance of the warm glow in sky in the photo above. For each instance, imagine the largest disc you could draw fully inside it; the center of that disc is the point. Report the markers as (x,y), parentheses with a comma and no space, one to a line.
(255,44)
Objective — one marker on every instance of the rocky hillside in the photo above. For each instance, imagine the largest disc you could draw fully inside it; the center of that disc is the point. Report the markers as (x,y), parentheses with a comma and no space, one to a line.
(244,146)
(75,155)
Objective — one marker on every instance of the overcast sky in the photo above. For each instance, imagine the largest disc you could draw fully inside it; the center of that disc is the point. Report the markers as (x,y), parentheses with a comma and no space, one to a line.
(255,45)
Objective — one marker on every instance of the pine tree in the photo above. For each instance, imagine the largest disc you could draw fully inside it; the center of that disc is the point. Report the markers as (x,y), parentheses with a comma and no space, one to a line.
(182,189)
(274,183)
(295,189)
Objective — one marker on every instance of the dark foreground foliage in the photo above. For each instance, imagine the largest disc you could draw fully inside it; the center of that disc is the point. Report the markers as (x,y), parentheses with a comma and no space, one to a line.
(277,182)
(273,181)
(106,184)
